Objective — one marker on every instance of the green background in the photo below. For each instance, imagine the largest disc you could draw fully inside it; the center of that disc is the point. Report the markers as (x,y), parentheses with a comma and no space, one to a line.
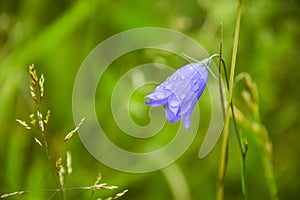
(57,35)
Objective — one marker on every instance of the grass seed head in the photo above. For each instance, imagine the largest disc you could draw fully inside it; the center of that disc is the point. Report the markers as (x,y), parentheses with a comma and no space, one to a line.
(32,92)
(24,124)
(69,162)
(41,84)
(34,78)
(38,142)
(47,117)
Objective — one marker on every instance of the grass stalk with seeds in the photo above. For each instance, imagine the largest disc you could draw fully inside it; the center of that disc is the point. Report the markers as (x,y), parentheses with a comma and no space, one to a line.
(37,125)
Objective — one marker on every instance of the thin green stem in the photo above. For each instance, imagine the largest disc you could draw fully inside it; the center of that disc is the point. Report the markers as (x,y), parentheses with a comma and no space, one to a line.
(243,177)
(41,126)
(242,144)
(92,187)
(234,53)
(224,155)
(220,65)
(225,143)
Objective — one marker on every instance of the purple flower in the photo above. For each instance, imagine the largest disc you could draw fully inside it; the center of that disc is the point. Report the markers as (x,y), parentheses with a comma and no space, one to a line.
(181,91)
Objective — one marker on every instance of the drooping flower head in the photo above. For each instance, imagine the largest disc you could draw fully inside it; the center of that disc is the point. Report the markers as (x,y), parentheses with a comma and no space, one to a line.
(181,91)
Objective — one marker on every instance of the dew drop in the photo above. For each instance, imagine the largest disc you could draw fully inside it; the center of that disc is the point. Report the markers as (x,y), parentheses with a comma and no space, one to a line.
(160,95)
(195,87)
(174,103)
(175,77)
(168,86)
(175,86)
(182,96)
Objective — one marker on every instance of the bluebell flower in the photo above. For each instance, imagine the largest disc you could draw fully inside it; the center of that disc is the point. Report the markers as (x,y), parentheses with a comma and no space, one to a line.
(181,91)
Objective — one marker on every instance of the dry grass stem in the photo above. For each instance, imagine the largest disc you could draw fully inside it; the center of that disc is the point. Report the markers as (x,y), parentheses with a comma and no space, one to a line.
(69,162)
(24,124)
(32,72)
(99,186)
(58,165)
(120,194)
(11,194)
(47,117)
(38,123)
(71,133)
(38,142)
(98,179)
(93,187)
(60,170)
(32,92)
(41,123)
(32,119)
(41,84)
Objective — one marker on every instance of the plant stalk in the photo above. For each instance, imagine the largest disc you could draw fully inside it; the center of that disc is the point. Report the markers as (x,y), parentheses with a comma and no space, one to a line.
(225,144)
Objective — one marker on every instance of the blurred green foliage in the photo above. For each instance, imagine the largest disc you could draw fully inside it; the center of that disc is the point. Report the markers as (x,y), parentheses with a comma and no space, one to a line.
(57,35)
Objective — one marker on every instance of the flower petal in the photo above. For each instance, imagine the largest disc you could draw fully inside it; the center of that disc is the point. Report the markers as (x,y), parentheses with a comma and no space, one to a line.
(180,92)
(159,95)
(171,116)
(196,75)
(155,103)
(174,104)
(186,121)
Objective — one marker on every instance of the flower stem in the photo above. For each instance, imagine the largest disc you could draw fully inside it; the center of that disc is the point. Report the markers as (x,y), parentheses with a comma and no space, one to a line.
(224,152)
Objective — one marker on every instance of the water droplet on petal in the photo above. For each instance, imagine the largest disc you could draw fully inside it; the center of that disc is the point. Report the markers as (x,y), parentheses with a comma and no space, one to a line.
(174,103)
(168,86)
(175,77)
(190,67)
(175,85)
(195,87)
(182,96)
(160,95)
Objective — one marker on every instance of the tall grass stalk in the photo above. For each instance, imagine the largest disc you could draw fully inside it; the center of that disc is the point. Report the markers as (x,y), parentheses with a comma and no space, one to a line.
(258,131)
(224,152)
